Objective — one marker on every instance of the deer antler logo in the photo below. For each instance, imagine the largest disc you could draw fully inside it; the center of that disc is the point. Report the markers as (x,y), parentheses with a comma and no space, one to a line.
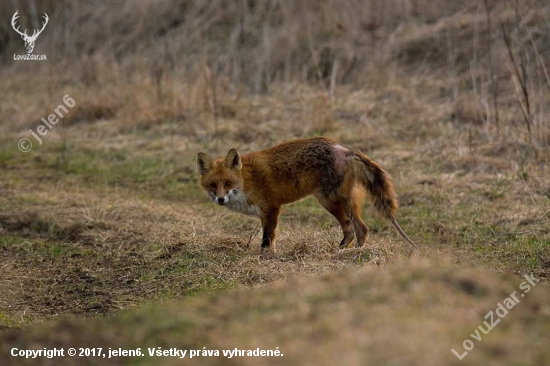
(29,40)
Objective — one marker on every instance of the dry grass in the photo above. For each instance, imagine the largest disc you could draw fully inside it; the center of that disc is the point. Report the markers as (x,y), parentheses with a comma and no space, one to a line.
(422,308)
(67,251)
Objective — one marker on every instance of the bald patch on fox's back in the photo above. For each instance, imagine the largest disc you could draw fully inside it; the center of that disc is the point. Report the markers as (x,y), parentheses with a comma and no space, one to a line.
(340,155)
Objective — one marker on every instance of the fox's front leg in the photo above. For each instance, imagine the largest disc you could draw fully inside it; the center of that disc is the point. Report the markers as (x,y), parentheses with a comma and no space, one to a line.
(270,219)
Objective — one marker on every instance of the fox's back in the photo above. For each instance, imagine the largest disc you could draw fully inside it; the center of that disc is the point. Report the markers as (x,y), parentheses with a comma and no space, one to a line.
(299,167)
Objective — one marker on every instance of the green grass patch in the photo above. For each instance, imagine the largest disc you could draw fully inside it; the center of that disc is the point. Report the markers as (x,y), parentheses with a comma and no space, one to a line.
(41,248)
(153,175)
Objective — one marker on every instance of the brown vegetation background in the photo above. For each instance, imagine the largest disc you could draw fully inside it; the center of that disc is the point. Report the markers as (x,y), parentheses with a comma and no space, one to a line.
(487,57)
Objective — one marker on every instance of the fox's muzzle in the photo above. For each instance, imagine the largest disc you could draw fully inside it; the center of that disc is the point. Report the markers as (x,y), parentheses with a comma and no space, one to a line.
(221,200)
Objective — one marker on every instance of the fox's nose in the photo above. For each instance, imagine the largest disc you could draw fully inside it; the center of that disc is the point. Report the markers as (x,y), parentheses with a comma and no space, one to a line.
(221,200)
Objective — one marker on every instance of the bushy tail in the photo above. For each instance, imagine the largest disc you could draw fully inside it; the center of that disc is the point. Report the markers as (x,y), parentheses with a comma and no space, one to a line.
(379,184)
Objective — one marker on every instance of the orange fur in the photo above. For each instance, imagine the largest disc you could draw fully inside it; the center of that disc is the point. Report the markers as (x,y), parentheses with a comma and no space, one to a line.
(260,183)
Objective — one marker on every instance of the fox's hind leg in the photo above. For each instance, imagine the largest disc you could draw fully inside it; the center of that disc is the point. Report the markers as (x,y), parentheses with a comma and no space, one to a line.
(357,197)
(339,209)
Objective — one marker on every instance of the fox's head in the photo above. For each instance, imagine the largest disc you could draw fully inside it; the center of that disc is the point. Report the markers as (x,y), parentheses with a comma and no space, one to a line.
(221,179)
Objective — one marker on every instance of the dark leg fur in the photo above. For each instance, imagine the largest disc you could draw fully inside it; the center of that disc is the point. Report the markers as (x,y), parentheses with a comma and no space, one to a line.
(361,231)
(269,222)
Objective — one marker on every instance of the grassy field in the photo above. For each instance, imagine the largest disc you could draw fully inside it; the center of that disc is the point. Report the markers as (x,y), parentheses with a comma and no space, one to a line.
(106,240)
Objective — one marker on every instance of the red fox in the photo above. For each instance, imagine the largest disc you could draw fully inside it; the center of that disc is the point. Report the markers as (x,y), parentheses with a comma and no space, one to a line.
(260,183)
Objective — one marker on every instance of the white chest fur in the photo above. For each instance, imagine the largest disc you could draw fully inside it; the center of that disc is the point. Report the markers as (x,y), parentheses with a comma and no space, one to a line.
(238,202)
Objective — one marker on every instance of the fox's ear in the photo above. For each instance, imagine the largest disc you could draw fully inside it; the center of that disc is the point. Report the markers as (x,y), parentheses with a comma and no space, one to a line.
(204,163)
(233,160)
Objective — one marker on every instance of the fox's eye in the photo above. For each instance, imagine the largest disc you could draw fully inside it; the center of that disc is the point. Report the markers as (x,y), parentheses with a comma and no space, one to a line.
(227,183)
(213,185)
